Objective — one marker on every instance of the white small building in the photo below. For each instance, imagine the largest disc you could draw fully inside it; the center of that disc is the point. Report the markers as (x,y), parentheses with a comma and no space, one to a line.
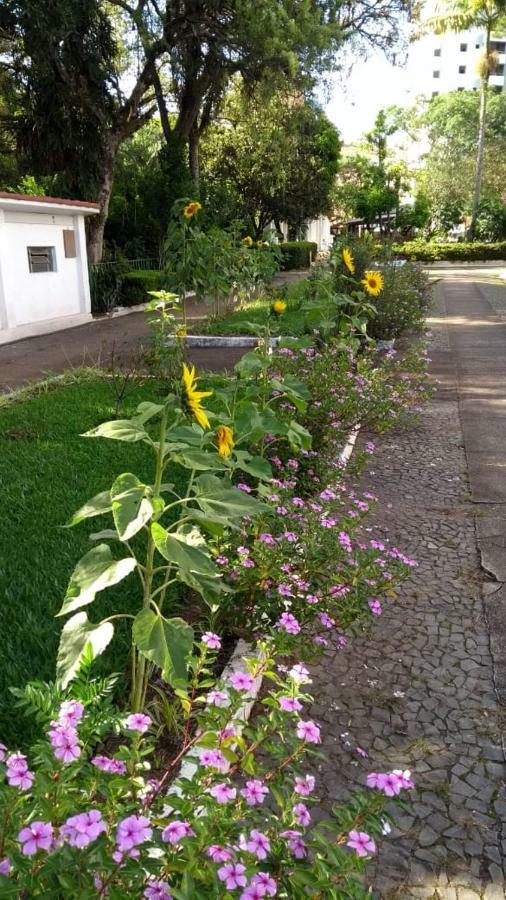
(43,265)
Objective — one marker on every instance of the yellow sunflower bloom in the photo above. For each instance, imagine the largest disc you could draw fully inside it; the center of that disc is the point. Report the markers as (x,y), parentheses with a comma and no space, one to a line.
(224,440)
(373,283)
(192,398)
(248,241)
(348,260)
(191,209)
(278,307)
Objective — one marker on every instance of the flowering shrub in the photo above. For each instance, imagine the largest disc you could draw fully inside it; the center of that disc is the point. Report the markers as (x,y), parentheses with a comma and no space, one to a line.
(79,823)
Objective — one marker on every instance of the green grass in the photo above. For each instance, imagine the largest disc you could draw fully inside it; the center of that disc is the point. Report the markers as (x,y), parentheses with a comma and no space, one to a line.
(257,311)
(47,471)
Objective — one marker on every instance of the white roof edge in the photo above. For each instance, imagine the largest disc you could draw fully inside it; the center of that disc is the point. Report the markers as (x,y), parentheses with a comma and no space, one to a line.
(49,208)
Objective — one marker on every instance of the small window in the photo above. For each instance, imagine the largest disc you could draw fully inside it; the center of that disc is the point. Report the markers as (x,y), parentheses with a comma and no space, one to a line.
(462,70)
(477,46)
(460,89)
(69,243)
(463,48)
(435,93)
(435,74)
(437,51)
(41,259)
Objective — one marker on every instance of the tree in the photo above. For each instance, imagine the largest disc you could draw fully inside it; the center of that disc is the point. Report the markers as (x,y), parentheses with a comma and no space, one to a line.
(489,15)
(277,158)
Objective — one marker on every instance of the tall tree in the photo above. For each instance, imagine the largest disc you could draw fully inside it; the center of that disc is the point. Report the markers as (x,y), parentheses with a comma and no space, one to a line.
(488,15)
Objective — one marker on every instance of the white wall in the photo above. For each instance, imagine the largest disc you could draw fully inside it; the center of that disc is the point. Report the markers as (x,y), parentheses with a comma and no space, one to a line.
(318,230)
(36,297)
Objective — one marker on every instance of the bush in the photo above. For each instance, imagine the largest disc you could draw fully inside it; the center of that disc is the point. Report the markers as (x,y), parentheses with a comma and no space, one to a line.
(433,252)
(402,304)
(135,286)
(297,254)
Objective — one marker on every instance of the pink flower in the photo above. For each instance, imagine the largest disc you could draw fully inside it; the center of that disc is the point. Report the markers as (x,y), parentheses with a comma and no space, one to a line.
(253,892)
(132,831)
(217,698)
(19,778)
(267,538)
(361,842)
(255,792)
(302,814)
(264,881)
(3,751)
(232,875)
(375,607)
(345,541)
(304,786)
(138,722)
(5,866)
(112,766)
(326,620)
(37,836)
(71,712)
(288,623)
(67,751)
(223,793)
(222,560)
(227,732)
(17,762)
(214,759)
(404,778)
(309,732)
(244,487)
(158,890)
(84,828)
(218,854)
(213,641)
(258,844)
(300,674)
(176,831)
(295,843)
(361,752)
(289,704)
(242,681)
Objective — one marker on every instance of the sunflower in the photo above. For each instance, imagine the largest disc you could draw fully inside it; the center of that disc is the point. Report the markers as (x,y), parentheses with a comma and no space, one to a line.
(373,283)
(224,440)
(192,398)
(191,209)
(278,307)
(181,332)
(248,241)
(348,260)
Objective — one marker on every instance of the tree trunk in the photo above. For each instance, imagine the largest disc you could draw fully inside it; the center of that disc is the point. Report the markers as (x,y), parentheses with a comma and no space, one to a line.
(481,141)
(193,155)
(96,224)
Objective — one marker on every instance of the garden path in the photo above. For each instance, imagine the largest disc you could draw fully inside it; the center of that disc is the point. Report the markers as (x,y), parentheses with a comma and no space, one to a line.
(425,691)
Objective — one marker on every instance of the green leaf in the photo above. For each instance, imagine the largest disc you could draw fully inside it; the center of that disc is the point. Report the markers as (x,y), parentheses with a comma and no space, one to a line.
(146,411)
(250,364)
(165,642)
(198,459)
(94,572)
(184,550)
(119,430)
(254,465)
(77,637)
(217,499)
(97,506)
(131,509)
(298,436)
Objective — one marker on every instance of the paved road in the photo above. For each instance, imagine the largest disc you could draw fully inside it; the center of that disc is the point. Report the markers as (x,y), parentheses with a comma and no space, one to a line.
(425,693)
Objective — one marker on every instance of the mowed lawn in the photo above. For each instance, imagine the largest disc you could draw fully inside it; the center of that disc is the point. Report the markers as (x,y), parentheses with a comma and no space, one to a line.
(47,471)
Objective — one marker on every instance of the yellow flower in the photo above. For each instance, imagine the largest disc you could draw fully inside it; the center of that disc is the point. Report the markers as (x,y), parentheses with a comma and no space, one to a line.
(191,209)
(192,397)
(225,441)
(278,307)
(181,332)
(348,260)
(373,283)
(248,241)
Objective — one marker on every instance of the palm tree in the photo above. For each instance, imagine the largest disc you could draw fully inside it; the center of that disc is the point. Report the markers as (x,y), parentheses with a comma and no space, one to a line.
(488,15)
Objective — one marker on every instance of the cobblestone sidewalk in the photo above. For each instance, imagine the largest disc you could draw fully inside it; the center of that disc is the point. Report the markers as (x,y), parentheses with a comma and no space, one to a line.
(420,693)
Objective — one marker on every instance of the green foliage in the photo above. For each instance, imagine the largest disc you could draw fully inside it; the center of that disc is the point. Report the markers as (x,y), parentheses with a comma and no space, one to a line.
(452,252)
(403,303)
(491,221)
(297,254)
(136,284)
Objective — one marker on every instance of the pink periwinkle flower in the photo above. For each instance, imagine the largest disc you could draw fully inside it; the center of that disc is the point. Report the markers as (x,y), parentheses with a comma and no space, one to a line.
(257,843)
(326,620)
(176,831)
(218,854)
(67,751)
(252,892)
(37,836)
(242,681)
(300,674)
(304,786)
(71,712)
(232,874)
(5,866)
(375,607)
(138,722)
(211,640)
(222,793)
(361,752)
(267,538)
(288,623)
(295,843)
(254,792)
(111,766)
(222,560)
(158,890)
(308,731)
(361,842)
(84,828)
(3,751)
(284,590)
(289,704)
(345,541)
(132,831)
(264,881)
(244,487)
(302,814)
(218,698)
(213,759)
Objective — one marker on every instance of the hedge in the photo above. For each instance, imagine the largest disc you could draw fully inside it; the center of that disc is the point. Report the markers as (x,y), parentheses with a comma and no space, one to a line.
(433,252)
(136,284)
(297,254)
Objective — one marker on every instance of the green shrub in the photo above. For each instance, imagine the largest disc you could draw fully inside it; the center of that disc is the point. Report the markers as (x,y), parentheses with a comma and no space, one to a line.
(297,254)
(451,252)
(135,285)
(402,304)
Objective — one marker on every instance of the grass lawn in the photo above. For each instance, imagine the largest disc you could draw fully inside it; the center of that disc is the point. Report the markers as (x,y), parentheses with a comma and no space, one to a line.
(47,471)
(257,311)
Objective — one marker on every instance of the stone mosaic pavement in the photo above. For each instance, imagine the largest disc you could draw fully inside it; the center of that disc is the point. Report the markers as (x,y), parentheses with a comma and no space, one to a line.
(420,693)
